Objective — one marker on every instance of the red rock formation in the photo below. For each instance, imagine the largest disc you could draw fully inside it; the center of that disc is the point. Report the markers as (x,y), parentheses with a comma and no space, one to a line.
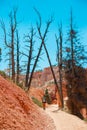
(40,77)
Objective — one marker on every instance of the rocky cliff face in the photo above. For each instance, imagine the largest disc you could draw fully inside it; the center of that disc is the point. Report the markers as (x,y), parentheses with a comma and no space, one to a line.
(41,77)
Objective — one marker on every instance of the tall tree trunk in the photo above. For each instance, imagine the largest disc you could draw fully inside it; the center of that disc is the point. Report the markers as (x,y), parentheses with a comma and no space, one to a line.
(60,65)
(18,66)
(31,75)
(29,57)
(72,43)
(13,62)
(52,70)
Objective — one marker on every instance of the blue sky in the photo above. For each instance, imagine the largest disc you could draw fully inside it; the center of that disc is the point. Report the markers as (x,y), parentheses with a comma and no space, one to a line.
(59,8)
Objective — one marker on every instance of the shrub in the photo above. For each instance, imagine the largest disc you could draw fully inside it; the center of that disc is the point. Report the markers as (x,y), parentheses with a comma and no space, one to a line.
(36,101)
(3,74)
(48,97)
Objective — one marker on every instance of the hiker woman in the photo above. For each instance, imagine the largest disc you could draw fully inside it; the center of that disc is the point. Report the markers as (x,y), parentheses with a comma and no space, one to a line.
(44,102)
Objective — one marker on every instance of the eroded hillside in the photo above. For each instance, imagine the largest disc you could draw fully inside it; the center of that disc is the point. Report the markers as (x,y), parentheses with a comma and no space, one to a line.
(18,112)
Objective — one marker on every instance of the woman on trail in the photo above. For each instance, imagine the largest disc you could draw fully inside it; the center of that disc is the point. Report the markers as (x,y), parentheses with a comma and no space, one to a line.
(44,102)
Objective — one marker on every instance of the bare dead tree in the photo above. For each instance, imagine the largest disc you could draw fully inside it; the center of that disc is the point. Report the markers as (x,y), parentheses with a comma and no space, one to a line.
(59,58)
(10,45)
(42,37)
(30,40)
(18,59)
(57,54)
(40,48)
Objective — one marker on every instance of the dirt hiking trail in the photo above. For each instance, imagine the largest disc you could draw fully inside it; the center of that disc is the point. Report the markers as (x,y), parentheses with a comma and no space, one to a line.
(65,121)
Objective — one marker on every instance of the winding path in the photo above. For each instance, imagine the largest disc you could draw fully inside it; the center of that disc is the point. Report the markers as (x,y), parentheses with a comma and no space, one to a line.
(65,121)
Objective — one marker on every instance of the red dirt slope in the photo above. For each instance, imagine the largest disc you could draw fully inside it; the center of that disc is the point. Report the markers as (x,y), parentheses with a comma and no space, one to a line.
(18,112)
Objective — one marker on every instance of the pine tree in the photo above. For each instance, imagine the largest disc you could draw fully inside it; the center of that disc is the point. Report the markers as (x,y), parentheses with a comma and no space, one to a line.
(74,71)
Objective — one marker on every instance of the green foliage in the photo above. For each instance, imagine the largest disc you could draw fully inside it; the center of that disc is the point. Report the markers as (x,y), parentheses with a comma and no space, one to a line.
(40,70)
(20,85)
(51,82)
(85,120)
(3,74)
(36,101)
(48,97)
